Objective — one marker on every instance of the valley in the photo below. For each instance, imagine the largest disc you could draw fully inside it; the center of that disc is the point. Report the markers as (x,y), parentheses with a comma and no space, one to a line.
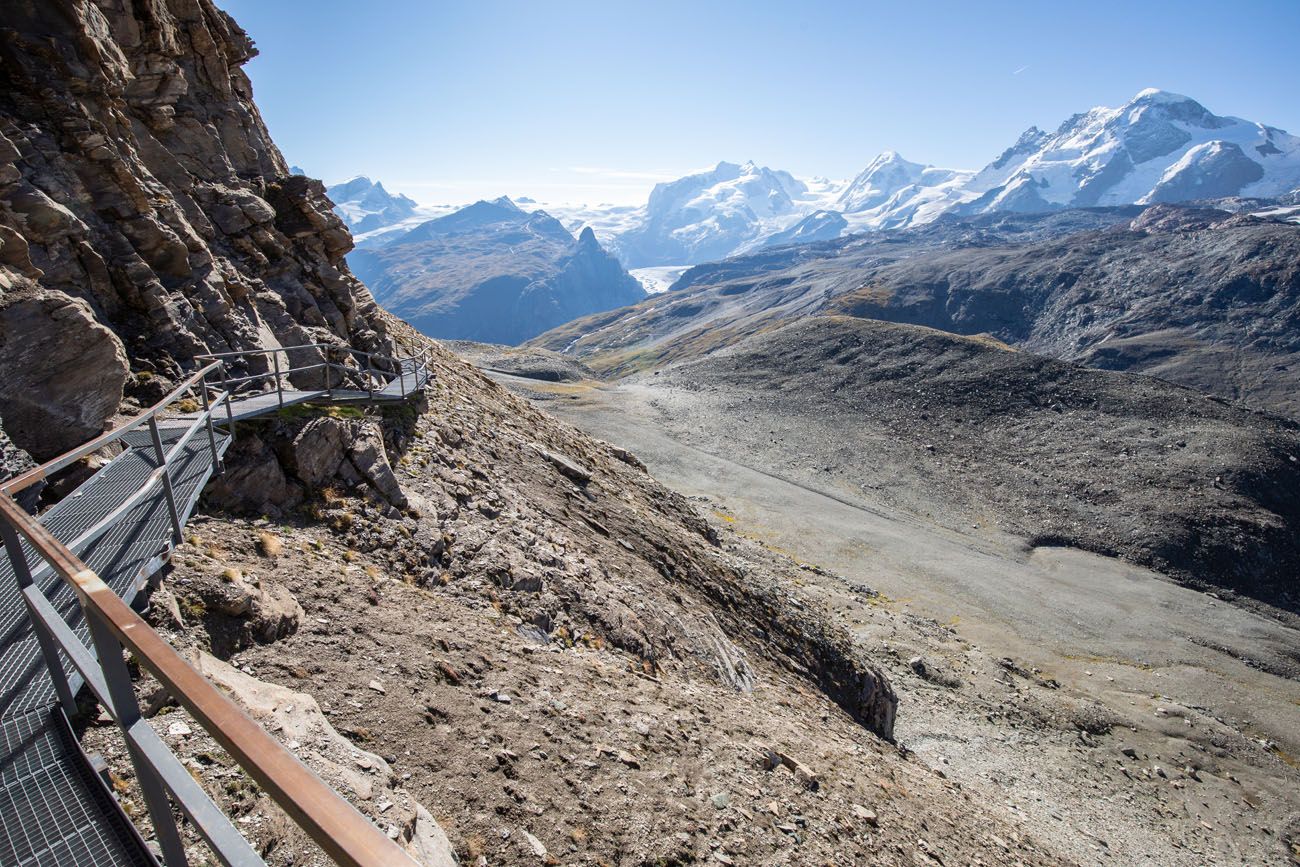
(982,622)
(1196,296)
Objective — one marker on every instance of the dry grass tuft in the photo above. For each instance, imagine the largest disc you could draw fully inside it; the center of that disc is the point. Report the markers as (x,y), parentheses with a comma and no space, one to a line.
(269,544)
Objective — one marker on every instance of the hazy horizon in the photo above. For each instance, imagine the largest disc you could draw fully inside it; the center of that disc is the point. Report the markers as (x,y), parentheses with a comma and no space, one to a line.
(595,103)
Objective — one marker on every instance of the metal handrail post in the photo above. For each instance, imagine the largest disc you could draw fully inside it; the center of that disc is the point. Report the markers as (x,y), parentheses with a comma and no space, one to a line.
(17,557)
(53,662)
(212,437)
(126,711)
(329,378)
(177,528)
(49,650)
(225,389)
(279,387)
(370,378)
(401,378)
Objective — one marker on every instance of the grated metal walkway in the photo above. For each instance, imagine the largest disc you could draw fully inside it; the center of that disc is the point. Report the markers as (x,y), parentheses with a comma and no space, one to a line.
(53,809)
(402,388)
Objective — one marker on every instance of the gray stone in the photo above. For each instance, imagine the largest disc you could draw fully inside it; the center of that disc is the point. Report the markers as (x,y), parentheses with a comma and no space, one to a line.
(371,460)
(428,843)
(567,467)
(61,373)
(318,449)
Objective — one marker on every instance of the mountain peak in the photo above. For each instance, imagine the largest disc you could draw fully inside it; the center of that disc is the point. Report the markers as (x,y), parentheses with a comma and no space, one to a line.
(1152,95)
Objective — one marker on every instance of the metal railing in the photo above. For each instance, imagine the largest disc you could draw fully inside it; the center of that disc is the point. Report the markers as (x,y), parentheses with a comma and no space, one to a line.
(344,834)
(397,369)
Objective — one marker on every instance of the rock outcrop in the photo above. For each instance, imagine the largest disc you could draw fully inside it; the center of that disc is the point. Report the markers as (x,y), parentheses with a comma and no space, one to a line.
(143,203)
(62,372)
(276,462)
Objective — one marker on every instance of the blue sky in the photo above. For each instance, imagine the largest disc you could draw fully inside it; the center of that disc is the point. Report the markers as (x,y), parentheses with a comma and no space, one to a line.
(596,101)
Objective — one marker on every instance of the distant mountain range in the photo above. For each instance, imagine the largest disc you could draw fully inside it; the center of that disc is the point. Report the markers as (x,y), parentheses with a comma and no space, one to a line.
(492,273)
(1158,147)
(1193,295)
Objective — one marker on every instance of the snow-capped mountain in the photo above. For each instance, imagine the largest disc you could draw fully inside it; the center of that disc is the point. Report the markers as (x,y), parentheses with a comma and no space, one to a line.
(892,192)
(493,272)
(365,205)
(887,176)
(817,226)
(711,214)
(1158,147)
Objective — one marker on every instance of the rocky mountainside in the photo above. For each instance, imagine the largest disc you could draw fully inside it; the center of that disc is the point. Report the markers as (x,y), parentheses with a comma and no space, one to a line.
(1200,297)
(589,626)
(610,650)
(364,205)
(494,273)
(146,216)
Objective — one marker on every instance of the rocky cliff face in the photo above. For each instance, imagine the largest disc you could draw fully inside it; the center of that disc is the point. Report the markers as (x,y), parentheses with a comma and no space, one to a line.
(146,216)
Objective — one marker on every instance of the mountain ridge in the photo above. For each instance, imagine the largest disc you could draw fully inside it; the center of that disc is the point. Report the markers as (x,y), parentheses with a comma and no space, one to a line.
(1158,147)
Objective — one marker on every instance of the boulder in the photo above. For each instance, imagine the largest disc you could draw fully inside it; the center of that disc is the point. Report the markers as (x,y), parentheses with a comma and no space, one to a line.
(428,843)
(318,449)
(61,372)
(253,481)
(371,461)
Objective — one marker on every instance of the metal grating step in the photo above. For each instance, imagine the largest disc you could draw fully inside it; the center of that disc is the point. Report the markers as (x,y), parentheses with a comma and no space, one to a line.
(54,810)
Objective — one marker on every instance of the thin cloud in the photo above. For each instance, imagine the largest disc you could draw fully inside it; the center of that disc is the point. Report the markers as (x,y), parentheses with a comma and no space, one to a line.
(1021,69)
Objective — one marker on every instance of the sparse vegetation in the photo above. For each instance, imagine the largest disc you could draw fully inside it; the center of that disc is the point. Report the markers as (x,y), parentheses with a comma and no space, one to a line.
(269,544)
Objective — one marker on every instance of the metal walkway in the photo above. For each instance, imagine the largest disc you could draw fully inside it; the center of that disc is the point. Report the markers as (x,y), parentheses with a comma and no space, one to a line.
(123,524)
(55,810)
(404,386)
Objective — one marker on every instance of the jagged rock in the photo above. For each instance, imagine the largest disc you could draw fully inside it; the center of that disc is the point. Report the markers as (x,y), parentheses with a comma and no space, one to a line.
(61,372)
(14,461)
(253,481)
(136,175)
(319,449)
(265,612)
(568,468)
(371,460)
